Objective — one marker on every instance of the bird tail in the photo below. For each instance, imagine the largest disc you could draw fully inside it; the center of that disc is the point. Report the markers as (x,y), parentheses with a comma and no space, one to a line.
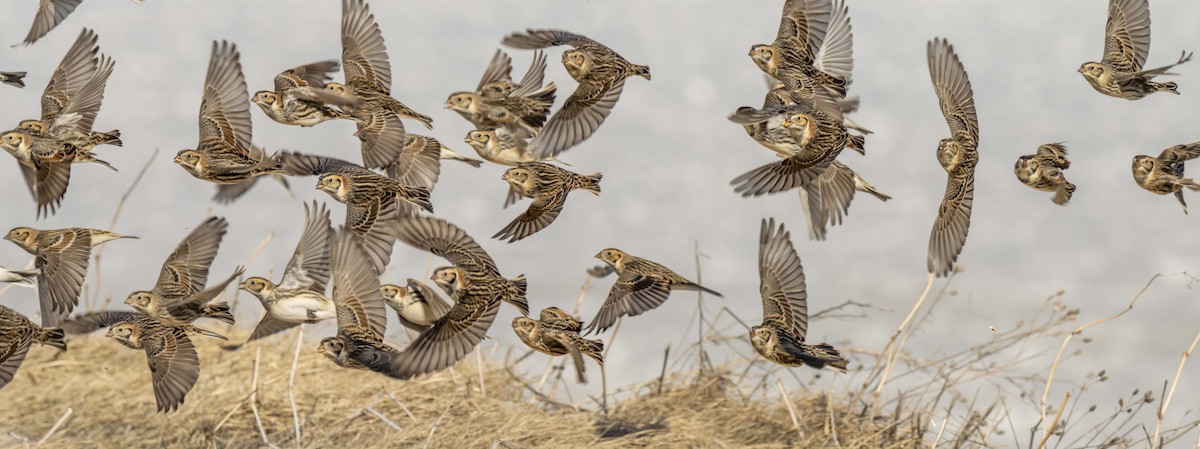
(520,301)
(1063,194)
(420,197)
(206,332)
(14,78)
(53,337)
(545,95)
(1189,183)
(824,355)
(1165,87)
(453,155)
(642,71)
(108,138)
(593,349)
(857,143)
(218,311)
(697,287)
(591,183)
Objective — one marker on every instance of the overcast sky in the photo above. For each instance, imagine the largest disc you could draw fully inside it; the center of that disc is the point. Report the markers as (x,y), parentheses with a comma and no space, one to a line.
(668,154)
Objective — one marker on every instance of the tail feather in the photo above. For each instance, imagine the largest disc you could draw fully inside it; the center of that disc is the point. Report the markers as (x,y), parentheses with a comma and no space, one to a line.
(110,138)
(1063,194)
(219,311)
(857,143)
(591,183)
(207,333)
(1166,87)
(694,287)
(642,71)
(545,95)
(824,355)
(14,78)
(519,301)
(52,337)
(593,349)
(420,197)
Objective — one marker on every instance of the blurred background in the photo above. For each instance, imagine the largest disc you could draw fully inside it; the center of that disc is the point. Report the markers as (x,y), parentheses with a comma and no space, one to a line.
(668,153)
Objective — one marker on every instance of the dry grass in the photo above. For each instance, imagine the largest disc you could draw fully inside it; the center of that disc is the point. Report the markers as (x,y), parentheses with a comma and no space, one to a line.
(985,395)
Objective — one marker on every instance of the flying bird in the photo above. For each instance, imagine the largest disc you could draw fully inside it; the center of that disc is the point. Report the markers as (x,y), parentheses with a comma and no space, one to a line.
(957,154)
(416,305)
(780,337)
(361,317)
(299,97)
(812,48)
(548,186)
(17,334)
(556,333)
(1164,174)
(223,154)
(641,285)
(61,257)
(827,199)
(497,102)
(1044,171)
(1120,71)
(601,74)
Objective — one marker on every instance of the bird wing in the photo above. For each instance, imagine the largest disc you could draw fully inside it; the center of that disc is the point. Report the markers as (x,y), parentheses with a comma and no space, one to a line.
(50,13)
(953,90)
(356,286)
(309,267)
(803,27)
(950,229)
(498,69)
(781,281)
(447,241)
(225,106)
(174,366)
(76,68)
(383,139)
(541,212)
(1127,35)
(185,271)
(450,339)
(92,321)
(836,54)
(49,184)
(63,259)
(534,39)
(314,74)
(631,295)
(12,353)
(419,164)
(582,113)
(364,56)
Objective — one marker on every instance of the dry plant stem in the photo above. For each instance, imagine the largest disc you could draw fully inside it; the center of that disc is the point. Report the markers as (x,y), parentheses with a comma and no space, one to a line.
(61,420)
(603,376)
(791,408)
(479,366)
(891,351)
(1080,329)
(434,427)
(385,420)
(95,293)
(1162,409)
(699,310)
(292,383)
(941,430)
(262,433)
(1054,424)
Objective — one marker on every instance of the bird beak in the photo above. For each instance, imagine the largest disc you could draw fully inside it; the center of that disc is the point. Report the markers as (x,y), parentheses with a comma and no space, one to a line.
(446,105)
(1080,70)
(321,349)
(467,139)
(109,333)
(598,255)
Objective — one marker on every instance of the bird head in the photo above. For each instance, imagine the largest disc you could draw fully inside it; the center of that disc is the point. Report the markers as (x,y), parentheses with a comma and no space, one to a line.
(24,237)
(764,57)
(520,178)
(450,279)
(524,325)
(265,98)
(1027,168)
(337,88)
(480,140)
(190,160)
(332,347)
(15,141)
(143,301)
(1142,166)
(613,257)
(462,102)
(36,126)
(578,63)
(761,336)
(128,333)
(257,286)
(1091,69)
(335,185)
(949,154)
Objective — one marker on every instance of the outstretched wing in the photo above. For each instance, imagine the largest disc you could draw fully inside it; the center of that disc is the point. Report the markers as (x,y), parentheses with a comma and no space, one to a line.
(185,271)
(364,56)
(309,267)
(225,106)
(781,281)
(1127,35)
(449,242)
(950,229)
(953,90)
(72,73)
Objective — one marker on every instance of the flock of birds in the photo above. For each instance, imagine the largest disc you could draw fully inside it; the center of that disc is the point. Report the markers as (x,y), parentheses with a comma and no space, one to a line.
(387,197)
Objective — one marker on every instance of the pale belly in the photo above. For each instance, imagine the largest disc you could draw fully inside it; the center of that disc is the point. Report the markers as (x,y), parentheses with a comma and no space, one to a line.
(303,308)
(419,313)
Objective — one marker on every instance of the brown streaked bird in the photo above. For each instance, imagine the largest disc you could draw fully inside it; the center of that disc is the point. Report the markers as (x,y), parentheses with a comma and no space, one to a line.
(1044,171)
(73,97)
(174,364)
(228,193)
(62,256)
(475,284)
(13,78)
(17,334)
(299,297)
(780,337)
(501,147)
(556,333)
(601,74)
(181,312)
(957,154)
(300,97)
(497,102)
(49,14)
(1164,174)
(369,87)
(420,162)
(373,201)
(1120,71)
(361,316)
(548,186)
(416,305)
(223,154)
(810,135)
(812,48)
(641,285)
(827,199)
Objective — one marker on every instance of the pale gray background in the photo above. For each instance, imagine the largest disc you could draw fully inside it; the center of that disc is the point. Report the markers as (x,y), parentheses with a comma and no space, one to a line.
(668,154)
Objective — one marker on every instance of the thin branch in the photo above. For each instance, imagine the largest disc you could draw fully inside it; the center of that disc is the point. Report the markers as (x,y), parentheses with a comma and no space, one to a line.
(1162,408)
(292,383)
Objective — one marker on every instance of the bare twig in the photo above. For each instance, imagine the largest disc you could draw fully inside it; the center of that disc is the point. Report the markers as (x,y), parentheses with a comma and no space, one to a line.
(61,420)
(791,408)
(292,383)
(262,432)
(1162,407)
(1054,424)
(385,420)
(434,427)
